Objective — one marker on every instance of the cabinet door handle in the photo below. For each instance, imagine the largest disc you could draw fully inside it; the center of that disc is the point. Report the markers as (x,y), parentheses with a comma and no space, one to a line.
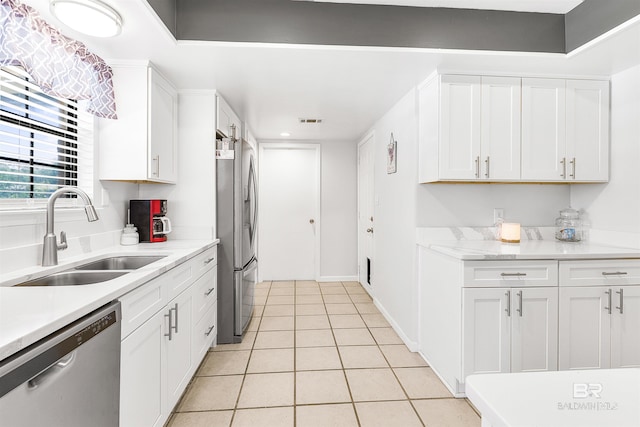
(621,306)
(209,331)
(563,162)
(209,260)
(508,309)
(488,163)
(573,168)
(169,334)
(157,160)
(478,167)
(513,274)
(519,309)
(208,292)
(614,273)
(608,308)
(175,310)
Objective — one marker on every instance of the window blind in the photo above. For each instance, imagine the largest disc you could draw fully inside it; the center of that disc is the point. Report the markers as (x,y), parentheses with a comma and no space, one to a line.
(45,142)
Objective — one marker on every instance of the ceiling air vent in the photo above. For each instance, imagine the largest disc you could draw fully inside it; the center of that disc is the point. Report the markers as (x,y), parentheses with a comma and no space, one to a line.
(310,121)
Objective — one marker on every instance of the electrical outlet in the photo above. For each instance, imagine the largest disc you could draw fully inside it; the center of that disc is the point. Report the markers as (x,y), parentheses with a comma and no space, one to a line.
(498,214)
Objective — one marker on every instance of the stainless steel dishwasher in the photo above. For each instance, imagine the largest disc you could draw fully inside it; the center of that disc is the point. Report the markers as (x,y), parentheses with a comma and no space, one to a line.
(70,378)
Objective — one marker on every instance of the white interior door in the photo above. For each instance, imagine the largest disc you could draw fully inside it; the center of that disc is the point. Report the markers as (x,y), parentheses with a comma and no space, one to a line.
(365,210)
(289,206)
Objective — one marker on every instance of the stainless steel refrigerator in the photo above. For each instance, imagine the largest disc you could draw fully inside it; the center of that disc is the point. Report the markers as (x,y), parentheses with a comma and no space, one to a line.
(237,213)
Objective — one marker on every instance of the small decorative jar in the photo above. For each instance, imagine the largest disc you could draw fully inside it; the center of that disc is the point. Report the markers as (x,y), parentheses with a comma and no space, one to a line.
(569,226)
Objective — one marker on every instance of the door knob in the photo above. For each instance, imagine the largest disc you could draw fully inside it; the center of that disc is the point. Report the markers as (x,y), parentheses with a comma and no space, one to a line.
(369,230)
(311,221)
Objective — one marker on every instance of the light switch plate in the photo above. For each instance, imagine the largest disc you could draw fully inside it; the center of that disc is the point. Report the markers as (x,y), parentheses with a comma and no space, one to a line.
(498,214)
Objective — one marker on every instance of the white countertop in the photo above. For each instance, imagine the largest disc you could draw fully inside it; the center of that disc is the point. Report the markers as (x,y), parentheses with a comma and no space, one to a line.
(28,314)
(528,249)
(597,398)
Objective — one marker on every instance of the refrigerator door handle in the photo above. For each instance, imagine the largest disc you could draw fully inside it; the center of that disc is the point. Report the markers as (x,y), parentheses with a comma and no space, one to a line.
(254,202)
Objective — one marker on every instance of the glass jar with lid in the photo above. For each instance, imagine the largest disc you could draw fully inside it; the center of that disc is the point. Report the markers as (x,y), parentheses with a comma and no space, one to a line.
(569,226)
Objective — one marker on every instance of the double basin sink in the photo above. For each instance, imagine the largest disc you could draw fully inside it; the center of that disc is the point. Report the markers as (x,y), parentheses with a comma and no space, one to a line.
(97,271)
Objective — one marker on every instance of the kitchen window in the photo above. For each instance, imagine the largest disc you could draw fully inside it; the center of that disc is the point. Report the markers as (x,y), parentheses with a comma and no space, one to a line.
(45,142)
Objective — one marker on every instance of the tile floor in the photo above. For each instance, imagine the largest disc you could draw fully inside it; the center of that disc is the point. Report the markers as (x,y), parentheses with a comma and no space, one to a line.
(315,355)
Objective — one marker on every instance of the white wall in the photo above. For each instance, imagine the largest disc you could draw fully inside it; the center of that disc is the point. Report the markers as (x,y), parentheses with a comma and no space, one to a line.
(191,203)
(403,204)
(614,208)
(338,209)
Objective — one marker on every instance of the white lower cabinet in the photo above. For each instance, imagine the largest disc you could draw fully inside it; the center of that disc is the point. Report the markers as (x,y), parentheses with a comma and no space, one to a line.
(599,327)
(159,357)
(510,330)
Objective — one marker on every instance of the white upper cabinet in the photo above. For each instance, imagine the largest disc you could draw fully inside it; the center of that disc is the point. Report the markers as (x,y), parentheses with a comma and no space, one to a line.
(512,129)
(142,144)
(543,129)
(587,150)
(228,124)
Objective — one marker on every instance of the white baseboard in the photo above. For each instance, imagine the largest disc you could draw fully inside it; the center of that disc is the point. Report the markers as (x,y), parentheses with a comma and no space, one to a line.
(338,279)
(411,345)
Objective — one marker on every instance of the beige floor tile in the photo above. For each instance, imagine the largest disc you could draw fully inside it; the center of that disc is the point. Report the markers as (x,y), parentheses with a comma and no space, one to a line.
(246,344)
(446,412)
(336,299)
(282,284)
(330,284)
(261,292)
(385,336)
(271,360)
(309,299)
(346,321)
(356,291)
(336,415)
(209,393)
(282,292)
(224,363)
(421,383)
(341,309)
(351,284)
(317,359)
(274,339)
(272,417)
(201,419)
(280,323)
(310,290)
(279,310)
(263,390)
(314,338)
(312,322)
(375,321)
(310,309)
(364,356)
(262,285)
(399,356)
(258,310)
(321,387)
(280,299)
(360,297)
(374,385)
(303,283)
(333,290)
(345,337)
(384,414)
(254,323)
(367,308)
(260,299)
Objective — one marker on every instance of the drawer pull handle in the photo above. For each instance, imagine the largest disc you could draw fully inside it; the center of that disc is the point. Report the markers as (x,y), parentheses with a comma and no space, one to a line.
(614,273)
(206,294)
(209,260)
(513,274)
(209,331)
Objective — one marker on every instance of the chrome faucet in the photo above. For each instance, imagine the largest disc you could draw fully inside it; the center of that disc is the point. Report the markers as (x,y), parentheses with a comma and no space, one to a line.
(50,246)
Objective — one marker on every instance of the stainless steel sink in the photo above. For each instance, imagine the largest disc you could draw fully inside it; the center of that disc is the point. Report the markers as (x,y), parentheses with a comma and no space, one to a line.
(74,278)
(119,263)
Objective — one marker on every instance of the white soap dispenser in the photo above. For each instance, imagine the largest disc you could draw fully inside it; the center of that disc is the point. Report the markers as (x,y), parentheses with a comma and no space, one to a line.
(130,234)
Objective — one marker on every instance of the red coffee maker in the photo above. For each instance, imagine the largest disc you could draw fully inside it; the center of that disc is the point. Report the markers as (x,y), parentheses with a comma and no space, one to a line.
(150,217)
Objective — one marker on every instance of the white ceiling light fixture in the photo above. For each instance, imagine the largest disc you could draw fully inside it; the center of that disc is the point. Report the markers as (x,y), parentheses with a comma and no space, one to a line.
(285,134)
(91,17)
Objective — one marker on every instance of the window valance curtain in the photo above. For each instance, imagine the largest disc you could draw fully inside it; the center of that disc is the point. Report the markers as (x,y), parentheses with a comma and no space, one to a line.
(61,66)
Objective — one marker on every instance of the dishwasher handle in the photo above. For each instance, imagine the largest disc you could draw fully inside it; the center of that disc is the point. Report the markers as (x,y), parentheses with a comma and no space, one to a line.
(53,370)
